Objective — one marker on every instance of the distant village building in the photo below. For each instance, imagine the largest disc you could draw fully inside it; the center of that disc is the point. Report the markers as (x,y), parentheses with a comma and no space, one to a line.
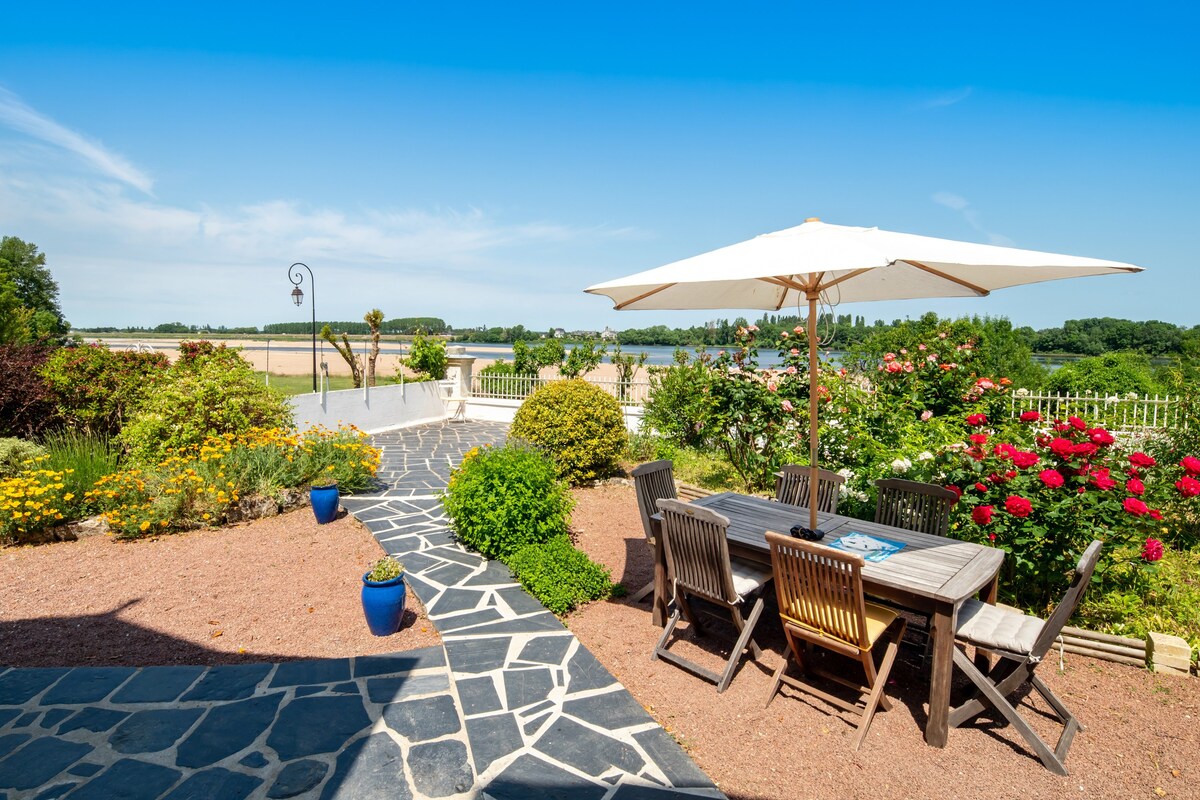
(608,334)
(559,333)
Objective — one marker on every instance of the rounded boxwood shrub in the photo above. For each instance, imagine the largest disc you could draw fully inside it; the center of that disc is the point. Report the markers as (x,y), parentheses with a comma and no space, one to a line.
(503,498)
(17,455)
(577,423)
(560,575)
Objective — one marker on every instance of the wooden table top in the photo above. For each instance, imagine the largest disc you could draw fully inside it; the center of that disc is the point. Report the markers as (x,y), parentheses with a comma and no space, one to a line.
(934,567)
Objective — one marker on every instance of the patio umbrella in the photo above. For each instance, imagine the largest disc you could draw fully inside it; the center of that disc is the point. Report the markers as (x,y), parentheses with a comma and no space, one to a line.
(843,264)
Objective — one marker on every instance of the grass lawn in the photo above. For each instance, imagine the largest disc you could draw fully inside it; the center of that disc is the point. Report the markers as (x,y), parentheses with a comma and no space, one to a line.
(302,384)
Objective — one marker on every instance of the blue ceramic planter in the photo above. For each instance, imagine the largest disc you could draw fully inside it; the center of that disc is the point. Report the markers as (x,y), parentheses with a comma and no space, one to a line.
(324,500)
(383,604)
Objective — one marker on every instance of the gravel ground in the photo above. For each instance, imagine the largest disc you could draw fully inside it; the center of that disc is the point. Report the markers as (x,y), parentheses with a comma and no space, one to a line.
(1141,739)
(276,589)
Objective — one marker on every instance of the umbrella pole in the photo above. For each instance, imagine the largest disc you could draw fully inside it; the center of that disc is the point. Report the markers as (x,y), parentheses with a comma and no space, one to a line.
(813,481)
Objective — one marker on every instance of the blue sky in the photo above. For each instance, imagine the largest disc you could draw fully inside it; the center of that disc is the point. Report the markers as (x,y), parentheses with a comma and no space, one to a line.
(485,162)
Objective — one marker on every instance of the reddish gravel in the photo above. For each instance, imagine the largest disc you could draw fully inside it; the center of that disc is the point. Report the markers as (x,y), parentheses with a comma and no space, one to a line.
(1141,738)
(276,589)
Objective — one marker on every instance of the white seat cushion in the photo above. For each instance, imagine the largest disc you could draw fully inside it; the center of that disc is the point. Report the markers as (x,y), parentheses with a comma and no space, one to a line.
(748,576)
(988,626)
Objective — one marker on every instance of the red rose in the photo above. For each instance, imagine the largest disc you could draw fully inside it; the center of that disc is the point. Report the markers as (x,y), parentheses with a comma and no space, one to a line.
(1152,551)
(1136,507)
(991,537)
(1025,460)
(981,515)
(1004,450)
(1061,427)
(1082,489)
(1101,480)
(977,419)
(1084,449)
(1100,436)
(1188,487)
(1030,416)
(978,438)
(1062,447)
(1018,506)
(1077,423)
(995,478)
(979,487)
(957,493)
(1052,478)
(1191,465)
(1142,460)
(1134,486)
(1010,474)
(1155,514)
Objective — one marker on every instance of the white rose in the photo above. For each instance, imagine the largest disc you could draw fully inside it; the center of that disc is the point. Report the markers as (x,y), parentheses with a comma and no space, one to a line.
(925,456)
(901,465)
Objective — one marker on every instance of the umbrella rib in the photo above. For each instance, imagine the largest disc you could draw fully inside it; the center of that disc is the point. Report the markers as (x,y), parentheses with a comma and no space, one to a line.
(643,296)
(846,277)
(979,290)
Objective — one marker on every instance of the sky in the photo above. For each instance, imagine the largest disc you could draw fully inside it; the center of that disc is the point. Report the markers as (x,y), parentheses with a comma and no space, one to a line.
(485,162)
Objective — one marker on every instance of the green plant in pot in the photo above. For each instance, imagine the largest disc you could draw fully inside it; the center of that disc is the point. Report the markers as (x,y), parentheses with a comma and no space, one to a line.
(383,594)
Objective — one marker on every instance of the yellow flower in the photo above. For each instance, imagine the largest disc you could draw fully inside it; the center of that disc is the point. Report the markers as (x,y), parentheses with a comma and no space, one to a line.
(145,525)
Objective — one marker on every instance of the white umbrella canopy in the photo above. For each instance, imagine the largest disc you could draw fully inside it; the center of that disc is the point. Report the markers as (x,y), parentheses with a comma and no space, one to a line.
(841,264)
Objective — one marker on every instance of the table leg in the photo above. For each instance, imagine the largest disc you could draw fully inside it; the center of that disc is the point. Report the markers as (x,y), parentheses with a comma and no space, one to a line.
(942,633)
(659,607)
(982,660)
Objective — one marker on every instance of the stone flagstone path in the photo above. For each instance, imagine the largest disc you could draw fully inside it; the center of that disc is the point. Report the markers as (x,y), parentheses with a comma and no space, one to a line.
(512,705)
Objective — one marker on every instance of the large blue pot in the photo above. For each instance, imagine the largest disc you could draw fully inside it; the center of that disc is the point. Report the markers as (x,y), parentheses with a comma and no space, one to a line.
(383,604)
(324,500)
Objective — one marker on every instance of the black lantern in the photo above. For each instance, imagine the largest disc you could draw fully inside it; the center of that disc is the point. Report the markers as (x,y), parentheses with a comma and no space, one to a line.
(297,277)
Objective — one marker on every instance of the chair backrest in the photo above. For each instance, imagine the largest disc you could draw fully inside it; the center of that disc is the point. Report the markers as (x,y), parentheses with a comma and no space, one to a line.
(920,507)
(697,551)
(791,487)
(652,482)
(1070,601)
(820,588)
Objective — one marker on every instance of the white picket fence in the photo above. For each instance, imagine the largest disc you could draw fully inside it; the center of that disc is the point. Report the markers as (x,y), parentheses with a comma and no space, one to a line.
(1127,412)
(516,387)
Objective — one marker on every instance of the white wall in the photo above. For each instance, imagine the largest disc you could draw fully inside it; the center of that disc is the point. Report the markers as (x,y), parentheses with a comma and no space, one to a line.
(493,410)
(377,409)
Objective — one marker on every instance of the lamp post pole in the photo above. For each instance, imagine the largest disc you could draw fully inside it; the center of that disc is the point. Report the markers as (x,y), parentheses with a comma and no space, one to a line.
(297,277)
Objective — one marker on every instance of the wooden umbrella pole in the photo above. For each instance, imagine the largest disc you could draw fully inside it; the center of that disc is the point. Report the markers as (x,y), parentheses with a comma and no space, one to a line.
(813,485)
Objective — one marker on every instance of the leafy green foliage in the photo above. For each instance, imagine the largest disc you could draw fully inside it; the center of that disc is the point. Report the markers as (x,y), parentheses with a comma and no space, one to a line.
(559,575)
(627,364)
(17,455)
(427,358)
(1111,373)
(583,358)
(503,498)
(580,425)
(95,389)
(680,405)
(29,309)
(212,395)
(385,569)
(1131,598)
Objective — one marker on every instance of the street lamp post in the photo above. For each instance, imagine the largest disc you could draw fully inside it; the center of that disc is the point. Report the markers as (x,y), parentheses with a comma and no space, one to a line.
(297,277)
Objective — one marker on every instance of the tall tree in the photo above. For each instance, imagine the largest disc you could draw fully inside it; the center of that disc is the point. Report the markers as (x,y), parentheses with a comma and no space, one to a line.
(374,319)
(29,307)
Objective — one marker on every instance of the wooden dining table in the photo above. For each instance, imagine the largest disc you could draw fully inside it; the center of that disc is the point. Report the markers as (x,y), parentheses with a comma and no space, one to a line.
(932,575)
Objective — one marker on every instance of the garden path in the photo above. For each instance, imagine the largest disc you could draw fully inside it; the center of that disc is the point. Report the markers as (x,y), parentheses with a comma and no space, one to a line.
(512,705)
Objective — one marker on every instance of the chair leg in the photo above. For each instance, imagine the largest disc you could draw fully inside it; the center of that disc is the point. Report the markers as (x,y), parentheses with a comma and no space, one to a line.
(643,593)
(747,629)
(666,634)
(877,679)
(740,624)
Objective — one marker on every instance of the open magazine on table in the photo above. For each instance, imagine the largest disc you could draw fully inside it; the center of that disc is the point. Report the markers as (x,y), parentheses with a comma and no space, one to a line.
(871,548)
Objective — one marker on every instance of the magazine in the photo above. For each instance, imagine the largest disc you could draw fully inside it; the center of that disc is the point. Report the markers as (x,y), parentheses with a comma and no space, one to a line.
(871,548)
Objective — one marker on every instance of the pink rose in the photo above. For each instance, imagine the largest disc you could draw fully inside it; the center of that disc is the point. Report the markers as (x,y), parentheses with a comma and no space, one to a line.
(786,405)
(926,415)
(889,356)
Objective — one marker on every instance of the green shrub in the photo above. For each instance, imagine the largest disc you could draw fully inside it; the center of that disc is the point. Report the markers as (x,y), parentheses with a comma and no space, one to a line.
(426,358)
(14,453)
(212,395)
(95,389)
(503,498)
(1108,374)
(577,423)
(559,575)
(1131,598)
(680,405)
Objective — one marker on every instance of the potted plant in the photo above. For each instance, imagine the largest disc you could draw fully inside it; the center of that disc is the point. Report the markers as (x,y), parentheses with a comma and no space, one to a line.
(383,594)
(323,496)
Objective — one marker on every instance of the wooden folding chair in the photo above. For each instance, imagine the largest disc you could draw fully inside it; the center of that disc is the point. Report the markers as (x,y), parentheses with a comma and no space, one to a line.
(652,482)
(699,565)
(1021,641)
(821,603)
(791,487)
(920,507)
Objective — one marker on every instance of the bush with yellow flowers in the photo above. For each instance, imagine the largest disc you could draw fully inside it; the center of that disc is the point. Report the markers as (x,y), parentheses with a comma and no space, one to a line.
(32,500)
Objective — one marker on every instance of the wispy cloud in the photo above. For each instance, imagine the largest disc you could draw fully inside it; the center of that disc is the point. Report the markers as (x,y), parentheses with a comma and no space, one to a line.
(20,117)
(948,98)
(963,206)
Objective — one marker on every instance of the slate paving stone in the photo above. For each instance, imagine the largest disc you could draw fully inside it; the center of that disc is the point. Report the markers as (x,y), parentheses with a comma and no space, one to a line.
(633,791)
(345,688)
(299,673)
(129,779)
(54,792)
(478,696)
(228,682)
(305,691)
(424,719)
(55,716)
(153,730)
(440,769)
(39,761)
(611,711)
(227,729)
(425,592)
(448,575)
(530,778)
(425,658)
(492,738)
(520,601)
(11,742)
(546,649)
(477,655)
(568,742)
(525,687)
(679,770)
(255,760)
(215,784)
(456,600)
(540,707)
(420,563)
(19,686)
(297,778)
(449,624)
(27,719)
(538,623)
(85,770)
(157,684)
(93,719)
(7,715)
(535,724)
(586,673)
(389,690)
(315,725)
(451,553)
(86,685)
(494,574)
(367,770)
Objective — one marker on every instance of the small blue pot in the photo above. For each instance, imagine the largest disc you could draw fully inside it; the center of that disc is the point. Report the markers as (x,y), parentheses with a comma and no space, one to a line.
(383,604)
(324,500)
